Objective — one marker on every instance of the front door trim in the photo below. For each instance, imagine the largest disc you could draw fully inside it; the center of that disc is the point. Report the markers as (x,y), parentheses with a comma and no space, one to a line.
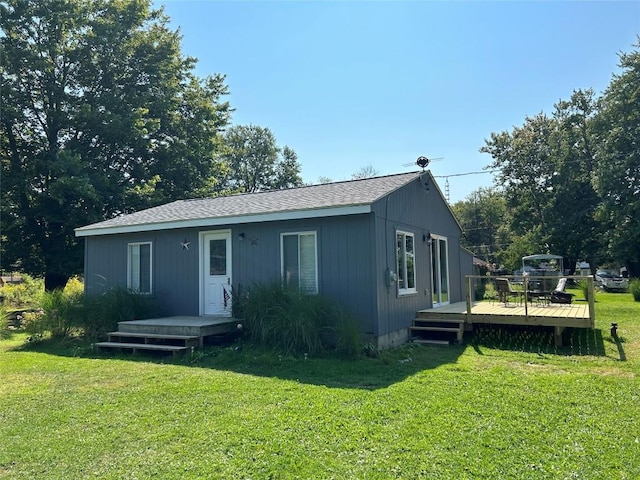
(202,238)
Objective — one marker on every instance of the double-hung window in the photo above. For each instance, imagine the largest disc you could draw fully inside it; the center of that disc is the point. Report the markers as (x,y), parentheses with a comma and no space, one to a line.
(299,255)
(139,267)
(405,256)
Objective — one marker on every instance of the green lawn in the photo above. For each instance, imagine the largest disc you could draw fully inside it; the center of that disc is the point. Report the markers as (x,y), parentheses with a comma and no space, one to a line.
(505,405)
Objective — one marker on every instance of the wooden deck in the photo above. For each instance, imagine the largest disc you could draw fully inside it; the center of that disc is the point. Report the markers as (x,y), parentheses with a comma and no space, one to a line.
(168,334)
(558,316)
(553,315)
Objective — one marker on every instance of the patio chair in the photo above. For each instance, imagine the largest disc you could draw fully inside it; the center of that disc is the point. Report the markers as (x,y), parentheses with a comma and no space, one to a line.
(559,295)
(505,291)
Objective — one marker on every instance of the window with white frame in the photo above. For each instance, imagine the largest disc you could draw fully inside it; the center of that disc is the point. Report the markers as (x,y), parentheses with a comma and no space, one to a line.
(405,256)
(139,267)
(299,255)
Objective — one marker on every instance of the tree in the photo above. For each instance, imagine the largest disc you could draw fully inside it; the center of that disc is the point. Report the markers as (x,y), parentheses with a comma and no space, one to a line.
(617,180)
(545,168)
(255,162)
(101,115)
(365,172)
(484,219)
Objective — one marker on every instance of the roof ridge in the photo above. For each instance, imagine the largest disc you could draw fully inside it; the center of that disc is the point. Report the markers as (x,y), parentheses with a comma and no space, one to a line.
(300,187)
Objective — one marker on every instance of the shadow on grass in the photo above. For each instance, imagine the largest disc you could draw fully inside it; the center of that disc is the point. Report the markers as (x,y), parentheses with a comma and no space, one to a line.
(537,339)
(367,373)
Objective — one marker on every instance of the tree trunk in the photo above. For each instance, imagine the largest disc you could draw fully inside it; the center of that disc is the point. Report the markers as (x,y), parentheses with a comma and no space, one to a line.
(54,281)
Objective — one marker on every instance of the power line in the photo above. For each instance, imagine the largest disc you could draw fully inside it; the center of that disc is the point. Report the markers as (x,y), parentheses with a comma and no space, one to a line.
(447,190)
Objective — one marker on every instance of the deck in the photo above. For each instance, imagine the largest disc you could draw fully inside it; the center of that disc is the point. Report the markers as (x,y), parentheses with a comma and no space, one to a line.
(563,315)
(558,316)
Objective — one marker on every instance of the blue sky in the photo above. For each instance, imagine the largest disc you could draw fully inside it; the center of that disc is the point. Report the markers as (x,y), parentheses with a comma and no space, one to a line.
(353,84)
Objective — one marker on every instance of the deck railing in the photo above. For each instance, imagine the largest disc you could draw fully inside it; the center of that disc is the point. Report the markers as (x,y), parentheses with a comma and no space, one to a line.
(527,285)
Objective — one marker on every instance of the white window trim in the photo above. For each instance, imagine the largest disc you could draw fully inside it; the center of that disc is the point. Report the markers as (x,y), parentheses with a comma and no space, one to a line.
(129,285)
(298,234)
(406,291)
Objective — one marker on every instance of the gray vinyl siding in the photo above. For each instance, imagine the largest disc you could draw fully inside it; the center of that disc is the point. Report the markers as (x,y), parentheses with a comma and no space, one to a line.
(420,211)
(175,287)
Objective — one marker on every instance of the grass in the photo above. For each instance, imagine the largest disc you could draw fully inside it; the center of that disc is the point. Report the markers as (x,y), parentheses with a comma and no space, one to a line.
(492,408)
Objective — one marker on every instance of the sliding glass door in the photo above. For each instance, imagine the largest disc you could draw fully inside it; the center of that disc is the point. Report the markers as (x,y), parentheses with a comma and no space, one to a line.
(439,270)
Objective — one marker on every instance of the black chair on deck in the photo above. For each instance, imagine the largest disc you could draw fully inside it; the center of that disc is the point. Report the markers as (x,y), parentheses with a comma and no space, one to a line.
(559,295)
(505,291)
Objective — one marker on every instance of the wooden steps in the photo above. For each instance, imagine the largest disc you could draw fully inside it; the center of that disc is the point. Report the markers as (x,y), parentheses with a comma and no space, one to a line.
(159,342)
(188,340)
(437,329)
(168,334)
(174,349)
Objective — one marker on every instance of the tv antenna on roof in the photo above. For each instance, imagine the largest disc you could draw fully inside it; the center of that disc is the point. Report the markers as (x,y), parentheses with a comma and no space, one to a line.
(422,162)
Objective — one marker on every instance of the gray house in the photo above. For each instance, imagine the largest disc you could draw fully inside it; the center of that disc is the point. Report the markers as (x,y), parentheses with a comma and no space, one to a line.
(384,247)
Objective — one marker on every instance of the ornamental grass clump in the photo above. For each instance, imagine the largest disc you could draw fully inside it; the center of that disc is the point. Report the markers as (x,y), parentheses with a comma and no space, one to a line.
(293,322)
(103,312)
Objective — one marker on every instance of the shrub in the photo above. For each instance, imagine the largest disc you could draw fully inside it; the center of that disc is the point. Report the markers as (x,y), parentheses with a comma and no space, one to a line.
(25,294)
(293,322)
(74,286)
(634,288)
(60,314)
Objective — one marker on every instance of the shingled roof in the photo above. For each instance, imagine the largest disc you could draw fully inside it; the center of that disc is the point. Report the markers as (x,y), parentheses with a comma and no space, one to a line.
(329,199)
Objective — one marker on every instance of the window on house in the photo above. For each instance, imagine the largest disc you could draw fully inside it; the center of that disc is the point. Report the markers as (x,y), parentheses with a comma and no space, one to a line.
(139,267)
(406,263)
(299,261)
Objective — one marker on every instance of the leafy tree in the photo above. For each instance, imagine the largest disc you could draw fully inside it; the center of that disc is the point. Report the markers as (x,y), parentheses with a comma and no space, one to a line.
(484,219)
(101,115)
(617,146)
(255,162)
(545,168)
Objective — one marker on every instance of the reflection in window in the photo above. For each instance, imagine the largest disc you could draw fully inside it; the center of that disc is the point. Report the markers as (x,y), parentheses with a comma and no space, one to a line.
(299,261)
(139,267)
(405,257)
(218,257)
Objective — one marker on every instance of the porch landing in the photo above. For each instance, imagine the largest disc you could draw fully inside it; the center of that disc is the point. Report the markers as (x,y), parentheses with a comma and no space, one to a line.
(167,334)
(181,325)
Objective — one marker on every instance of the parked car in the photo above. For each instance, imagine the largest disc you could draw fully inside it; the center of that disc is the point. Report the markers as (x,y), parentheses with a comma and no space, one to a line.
(610,281)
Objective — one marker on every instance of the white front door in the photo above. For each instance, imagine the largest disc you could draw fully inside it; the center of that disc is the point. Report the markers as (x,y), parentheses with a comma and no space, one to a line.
(216,273)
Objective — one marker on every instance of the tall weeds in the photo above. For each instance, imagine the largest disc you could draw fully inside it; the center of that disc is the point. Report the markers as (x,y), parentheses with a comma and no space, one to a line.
(66,312)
